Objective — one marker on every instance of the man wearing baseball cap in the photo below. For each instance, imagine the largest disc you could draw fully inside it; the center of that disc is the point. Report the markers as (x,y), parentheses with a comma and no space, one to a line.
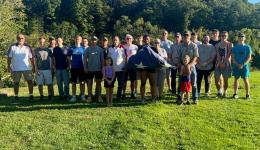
(241,56)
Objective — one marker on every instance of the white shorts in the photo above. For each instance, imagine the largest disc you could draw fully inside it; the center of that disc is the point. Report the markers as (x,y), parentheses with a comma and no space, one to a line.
(45,77)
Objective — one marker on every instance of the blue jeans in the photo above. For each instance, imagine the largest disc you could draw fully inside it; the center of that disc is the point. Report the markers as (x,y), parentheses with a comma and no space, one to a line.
(62,77)
(120,77)
(194,83)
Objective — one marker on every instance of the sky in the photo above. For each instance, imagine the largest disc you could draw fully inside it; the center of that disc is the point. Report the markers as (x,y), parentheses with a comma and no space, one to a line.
(254,1)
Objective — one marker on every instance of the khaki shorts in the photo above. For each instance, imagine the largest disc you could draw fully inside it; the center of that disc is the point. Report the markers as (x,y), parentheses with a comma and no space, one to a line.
(44,77)
(16,75)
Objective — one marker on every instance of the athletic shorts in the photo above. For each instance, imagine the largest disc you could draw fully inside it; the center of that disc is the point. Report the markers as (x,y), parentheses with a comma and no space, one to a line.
(243,73)
(77,75)
(94,74)
(16,75)
(44,77)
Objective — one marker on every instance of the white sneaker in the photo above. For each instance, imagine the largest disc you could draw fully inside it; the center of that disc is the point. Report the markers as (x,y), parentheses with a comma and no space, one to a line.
(83,98)
(73,99)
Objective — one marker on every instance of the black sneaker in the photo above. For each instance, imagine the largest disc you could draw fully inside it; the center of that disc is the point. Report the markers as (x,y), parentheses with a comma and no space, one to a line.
(219,95)
(41,97)
(49,97)
(188,103)
(235,96)
(16,98)
(123,97)
(248,97)
(179,102)
(133,96)
(31,98)
(195,102)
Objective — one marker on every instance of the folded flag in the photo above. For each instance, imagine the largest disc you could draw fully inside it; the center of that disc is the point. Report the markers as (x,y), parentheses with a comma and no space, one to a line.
(147,58)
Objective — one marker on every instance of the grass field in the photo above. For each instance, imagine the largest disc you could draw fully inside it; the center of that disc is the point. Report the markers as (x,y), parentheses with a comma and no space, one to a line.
(213,124)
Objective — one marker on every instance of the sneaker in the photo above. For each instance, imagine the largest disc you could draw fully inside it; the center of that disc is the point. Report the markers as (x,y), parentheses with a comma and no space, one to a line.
(73,99)
(235,96)
(100,99)
(49,97)
(196,102)
(219,95)
(123,97)
(248,97)
(188,103)
(133,96)
(225,95)
(83,98)
(89,99)
(207,94)
(41,97)
(31,98)
(179,102)
(16,98)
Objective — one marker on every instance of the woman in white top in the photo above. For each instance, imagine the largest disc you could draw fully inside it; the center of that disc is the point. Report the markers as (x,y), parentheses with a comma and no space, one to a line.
(118,55)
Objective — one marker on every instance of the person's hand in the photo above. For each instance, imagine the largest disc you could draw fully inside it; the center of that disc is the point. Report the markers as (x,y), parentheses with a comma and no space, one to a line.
(240,66)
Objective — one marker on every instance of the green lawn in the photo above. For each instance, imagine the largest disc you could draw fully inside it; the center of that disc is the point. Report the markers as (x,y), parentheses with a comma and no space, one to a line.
(56,124)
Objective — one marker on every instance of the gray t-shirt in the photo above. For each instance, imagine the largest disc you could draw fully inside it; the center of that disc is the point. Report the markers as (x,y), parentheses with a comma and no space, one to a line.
(207,53)
(166,44)
(190,50)
(95,58)
(43,58)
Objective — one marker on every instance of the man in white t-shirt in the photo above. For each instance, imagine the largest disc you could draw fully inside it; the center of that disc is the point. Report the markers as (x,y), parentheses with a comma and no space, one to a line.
(21,62)
(130,50)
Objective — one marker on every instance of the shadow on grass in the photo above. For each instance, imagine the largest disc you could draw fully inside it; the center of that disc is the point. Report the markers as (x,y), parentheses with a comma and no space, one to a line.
(8,104)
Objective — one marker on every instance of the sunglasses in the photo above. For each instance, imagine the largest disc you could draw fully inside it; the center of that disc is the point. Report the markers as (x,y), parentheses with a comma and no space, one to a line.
(157,42)
(224,35)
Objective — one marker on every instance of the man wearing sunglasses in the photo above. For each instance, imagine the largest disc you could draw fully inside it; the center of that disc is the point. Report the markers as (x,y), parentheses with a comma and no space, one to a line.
(21,62)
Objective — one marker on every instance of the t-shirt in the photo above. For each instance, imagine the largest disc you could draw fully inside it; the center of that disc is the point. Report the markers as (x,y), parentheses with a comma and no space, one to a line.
(130,50)
(118,56)
(163,53)
(95,57)
(20,57)
(77,54)
(214,42)
(190,50)
(174,53)
(166,44)
(108,72)
(241,53)
(60,55)
(206,53)
(43,57)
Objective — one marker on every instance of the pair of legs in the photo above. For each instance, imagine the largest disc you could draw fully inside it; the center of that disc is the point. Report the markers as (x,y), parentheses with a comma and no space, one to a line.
(203,74)
(173,81)
(221,81)
(246,83)
(16,76)
(161,74)
(151,75)
(45,76)
(62,77)
(78,74)
(120,77)
(109,96)
(98,88)
(168,79)
(133,85)
(187,94)
(82,88)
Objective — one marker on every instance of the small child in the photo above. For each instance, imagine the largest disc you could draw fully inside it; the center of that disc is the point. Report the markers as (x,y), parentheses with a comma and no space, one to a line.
(185,80)
(109,80)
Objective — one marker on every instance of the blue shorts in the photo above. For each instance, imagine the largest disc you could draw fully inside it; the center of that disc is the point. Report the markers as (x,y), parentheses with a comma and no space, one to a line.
(243,73)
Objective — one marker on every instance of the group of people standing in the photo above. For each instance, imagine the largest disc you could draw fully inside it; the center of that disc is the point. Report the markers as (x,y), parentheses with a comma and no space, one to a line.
(83,63)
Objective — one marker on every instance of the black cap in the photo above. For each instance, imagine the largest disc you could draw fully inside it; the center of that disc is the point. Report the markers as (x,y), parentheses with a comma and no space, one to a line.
(187,33)
(51,38)
(241,34)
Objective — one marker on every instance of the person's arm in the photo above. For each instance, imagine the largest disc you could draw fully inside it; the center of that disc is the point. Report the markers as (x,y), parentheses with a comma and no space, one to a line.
(181,71)
(102,58)
(196,55)
(188,69)
(218,56)
(36,67)
(9,59)
(229,48)
(104,74)
(249,57)
(85,61)
(31,56)
(69,57)
(53,64)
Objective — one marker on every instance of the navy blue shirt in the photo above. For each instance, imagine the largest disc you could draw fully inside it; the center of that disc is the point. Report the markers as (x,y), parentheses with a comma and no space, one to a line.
(77,54)
(60,56)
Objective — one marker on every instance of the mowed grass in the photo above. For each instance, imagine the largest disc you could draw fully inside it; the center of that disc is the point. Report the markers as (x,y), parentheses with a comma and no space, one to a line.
(57,124)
